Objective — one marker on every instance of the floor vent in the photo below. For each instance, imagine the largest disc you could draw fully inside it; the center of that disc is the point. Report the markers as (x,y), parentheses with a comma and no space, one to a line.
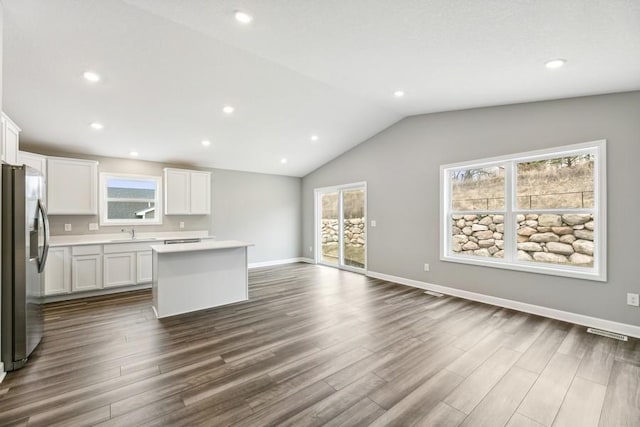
(434,293)
(607,334)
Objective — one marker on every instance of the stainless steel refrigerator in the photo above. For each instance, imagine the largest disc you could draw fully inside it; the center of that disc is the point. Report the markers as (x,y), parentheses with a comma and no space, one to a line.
(25,243)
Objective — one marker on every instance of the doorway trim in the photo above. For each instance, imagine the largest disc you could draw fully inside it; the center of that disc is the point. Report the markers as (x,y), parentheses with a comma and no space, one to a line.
(317,229)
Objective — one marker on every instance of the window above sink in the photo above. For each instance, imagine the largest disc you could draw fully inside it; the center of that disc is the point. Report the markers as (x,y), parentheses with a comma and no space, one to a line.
(130,199)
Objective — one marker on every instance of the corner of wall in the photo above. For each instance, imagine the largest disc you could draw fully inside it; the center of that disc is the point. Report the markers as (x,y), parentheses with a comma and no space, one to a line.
(2,373)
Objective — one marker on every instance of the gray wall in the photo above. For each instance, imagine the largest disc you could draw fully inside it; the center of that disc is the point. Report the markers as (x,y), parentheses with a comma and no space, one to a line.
(401,167)
(247,205)
(257,208)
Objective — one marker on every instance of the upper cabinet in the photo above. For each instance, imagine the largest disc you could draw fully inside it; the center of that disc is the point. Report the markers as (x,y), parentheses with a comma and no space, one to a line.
(10,140)
(36,161)
(200,200)
(187,192)
(72,186)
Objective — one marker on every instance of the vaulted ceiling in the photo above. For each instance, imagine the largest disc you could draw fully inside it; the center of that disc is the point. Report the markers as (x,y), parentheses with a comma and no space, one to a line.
(325,67)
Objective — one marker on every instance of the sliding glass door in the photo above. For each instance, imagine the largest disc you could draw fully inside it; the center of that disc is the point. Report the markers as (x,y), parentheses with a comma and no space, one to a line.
(330,228)
(341,226)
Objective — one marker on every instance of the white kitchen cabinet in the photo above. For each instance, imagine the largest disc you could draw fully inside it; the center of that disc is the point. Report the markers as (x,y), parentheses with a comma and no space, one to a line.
(187,192)
(86,272)
(119,269)
(10,140)
(77,268)
(176,191)
(200,195)
(37,162)
(127,264)
(144,267)
(57,272)
(72,186)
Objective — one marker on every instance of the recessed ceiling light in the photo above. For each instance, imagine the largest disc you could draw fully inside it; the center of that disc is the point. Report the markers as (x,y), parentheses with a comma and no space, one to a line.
(133,153)
(243,17)
(206,142)
(314,137)
(228,109)
(96,125)
(555,63)
(398,93)
(91,76)
(283,160)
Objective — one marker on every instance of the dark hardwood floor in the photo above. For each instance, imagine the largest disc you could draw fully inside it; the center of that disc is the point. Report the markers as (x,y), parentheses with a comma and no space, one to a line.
(318,346)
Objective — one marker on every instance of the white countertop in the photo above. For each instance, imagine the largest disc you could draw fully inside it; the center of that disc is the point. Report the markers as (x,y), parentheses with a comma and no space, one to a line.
(202,246)
(98,239)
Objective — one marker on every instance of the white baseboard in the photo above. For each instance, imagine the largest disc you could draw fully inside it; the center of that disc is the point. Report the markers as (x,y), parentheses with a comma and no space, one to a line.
(279,262)
(87,294)
(308,260)
(579,319)
(2,372)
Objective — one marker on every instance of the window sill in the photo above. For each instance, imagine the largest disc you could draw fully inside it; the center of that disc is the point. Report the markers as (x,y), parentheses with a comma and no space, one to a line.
(552,270)
(128,223)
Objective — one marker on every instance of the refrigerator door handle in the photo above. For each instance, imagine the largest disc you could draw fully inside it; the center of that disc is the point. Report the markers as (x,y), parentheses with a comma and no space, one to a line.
(45,226)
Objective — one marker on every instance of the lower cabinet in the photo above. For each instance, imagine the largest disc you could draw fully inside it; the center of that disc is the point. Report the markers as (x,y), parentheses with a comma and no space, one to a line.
(93,267)
(57,274)
(119,269)
(86,272)
(145,263)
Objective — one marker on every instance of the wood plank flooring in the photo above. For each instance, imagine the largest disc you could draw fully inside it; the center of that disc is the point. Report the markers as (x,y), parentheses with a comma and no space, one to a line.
(318,346)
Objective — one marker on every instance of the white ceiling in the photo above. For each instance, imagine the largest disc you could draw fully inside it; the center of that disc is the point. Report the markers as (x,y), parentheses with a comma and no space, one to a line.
(327,67)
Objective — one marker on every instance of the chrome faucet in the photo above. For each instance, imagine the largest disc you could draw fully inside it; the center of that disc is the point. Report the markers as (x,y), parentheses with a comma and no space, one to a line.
(132,232)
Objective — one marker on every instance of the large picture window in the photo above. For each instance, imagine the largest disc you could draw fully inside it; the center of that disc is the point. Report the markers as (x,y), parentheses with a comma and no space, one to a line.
(542,211)
(129,199)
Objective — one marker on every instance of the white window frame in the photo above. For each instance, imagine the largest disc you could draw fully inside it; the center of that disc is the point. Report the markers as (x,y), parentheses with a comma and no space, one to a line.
(599,270)
(104,220)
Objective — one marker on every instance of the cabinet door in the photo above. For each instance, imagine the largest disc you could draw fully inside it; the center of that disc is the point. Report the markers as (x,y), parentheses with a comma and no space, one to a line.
(86,272)
(72,186)
(145,263)
(37,162)
(176,191)
(57,272)
(119,269)
(200,193)
(10,138)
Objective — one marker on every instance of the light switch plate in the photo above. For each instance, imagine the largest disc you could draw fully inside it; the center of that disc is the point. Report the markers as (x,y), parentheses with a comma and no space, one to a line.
(373,223)
(93,226)
(67,227)
(181,224)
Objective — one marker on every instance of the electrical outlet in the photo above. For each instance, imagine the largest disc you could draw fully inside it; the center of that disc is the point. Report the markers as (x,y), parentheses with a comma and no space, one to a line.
(310,248)
(93,226)
(181,224)
(426,267)
(373,223)
(67,227)
(633,299)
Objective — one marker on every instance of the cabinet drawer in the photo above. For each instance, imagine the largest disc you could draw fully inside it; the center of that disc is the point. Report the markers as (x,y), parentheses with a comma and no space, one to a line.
(129,247)
(86,250)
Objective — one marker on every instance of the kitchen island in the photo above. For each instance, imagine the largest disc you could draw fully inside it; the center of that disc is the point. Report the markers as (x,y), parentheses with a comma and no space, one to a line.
(194,276)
